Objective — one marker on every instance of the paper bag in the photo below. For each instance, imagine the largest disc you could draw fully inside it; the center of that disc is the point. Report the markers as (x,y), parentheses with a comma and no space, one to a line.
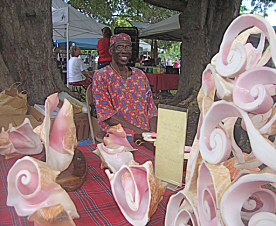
(12,102)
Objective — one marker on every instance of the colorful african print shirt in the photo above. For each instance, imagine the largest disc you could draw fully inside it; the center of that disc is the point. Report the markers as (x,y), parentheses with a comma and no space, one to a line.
(131,98)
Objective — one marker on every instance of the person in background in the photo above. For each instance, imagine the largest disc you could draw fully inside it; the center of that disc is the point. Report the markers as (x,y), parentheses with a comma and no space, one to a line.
(140,59)
(158,61)
(164,63)
(88,57)
(122,94)
(62,55)
(169,62)
(55,52)
(103,48)
(176,63)
(77,73)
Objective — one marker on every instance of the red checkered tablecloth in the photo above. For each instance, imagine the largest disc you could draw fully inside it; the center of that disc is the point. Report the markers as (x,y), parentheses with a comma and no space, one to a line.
(94,200)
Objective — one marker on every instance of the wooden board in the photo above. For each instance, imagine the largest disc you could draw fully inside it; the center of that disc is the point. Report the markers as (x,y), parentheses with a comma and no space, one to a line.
(74,176)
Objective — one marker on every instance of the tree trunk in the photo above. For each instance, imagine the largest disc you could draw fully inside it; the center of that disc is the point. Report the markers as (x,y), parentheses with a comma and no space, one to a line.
(202,24)
(26,48)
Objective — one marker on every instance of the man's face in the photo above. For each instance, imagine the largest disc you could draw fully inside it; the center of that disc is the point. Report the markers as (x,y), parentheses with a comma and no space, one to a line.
(121,52)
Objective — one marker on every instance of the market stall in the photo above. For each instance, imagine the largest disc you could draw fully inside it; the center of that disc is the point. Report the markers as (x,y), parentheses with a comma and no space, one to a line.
(223,184)
(161,81)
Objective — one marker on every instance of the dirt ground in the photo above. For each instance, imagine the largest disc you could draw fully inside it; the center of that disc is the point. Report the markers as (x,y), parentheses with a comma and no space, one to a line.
(193,116)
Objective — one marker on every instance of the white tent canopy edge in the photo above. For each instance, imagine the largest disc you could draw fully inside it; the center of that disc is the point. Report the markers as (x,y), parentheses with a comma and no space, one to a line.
(168,29)
(70,23)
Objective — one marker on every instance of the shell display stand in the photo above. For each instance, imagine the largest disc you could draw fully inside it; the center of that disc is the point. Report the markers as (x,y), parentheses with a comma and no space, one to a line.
(74,176)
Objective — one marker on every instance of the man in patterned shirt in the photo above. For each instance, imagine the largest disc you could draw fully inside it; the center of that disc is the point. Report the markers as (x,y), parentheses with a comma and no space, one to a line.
(122,94)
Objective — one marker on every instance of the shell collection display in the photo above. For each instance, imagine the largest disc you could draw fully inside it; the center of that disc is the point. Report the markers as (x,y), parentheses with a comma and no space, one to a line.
(32,187)
(232,192)
(135,188)
(218,191)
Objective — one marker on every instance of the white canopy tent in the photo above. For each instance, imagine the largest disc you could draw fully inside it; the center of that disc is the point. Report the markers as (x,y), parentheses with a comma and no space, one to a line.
(70,23)
(168,29)
(146,47)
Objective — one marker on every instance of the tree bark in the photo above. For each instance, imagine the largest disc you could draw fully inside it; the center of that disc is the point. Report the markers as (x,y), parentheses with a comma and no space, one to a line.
(177,5)
(202,24)
(26,48)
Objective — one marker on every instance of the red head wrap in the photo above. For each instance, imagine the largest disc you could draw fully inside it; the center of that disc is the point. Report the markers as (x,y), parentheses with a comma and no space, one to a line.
(119,37)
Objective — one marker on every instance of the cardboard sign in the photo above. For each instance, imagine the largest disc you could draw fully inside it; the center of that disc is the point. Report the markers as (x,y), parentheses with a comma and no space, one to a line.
(82,125)
(170,143)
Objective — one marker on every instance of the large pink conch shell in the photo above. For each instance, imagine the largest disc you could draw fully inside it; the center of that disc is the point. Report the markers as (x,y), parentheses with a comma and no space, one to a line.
(61,144)
(51,216)
(31,186)
(117,135)
(20,140)
(43,130)
(114,156)
(63,138)
(137,192)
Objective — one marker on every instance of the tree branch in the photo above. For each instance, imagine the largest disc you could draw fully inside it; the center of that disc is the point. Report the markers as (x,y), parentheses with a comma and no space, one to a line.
(177,5)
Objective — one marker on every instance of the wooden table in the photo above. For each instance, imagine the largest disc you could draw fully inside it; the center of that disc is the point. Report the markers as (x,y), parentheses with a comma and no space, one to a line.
(163,81)
(94,200)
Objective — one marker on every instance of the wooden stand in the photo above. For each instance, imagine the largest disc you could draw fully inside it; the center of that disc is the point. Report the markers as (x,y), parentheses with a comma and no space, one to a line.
(74,176)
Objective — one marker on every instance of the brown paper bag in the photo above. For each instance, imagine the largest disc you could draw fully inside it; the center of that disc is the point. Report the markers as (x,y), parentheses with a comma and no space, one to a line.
(12,102)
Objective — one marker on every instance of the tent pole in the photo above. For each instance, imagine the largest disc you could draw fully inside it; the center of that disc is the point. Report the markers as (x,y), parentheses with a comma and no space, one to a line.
(67,47)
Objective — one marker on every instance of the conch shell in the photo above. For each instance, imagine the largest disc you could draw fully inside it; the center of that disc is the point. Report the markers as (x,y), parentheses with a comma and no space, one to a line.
(51,216)
(31,186)
(114,156)
(117,135)
(61,144)
(137,192)
(20,140)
